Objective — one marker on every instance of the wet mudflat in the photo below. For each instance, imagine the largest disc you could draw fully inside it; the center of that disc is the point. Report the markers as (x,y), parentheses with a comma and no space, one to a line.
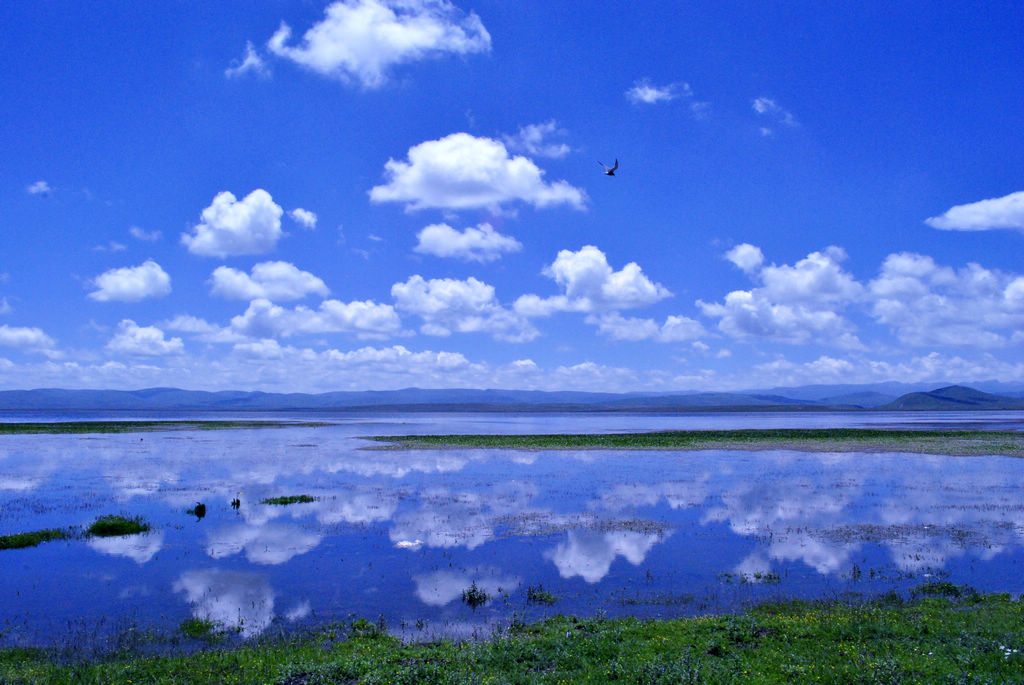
(304,525)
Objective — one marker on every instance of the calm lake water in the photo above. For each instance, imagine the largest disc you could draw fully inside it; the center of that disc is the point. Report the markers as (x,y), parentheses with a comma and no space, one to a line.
(397,536)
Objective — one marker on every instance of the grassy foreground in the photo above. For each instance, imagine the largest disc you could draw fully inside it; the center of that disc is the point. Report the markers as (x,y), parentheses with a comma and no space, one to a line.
(970,639)
(951,442)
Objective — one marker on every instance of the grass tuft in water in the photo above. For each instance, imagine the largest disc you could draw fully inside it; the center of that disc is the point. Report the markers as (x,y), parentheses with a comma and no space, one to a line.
(114,524)
(475,596)
(538,595)
(201,629)
(32,538)
(289,499)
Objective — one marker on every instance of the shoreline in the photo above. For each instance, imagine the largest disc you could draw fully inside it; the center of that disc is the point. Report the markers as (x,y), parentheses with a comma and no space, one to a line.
(944,633)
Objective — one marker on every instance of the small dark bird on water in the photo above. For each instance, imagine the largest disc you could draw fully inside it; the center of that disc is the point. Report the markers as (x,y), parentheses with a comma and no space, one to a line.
(610,170)
(236,503)
(199,511)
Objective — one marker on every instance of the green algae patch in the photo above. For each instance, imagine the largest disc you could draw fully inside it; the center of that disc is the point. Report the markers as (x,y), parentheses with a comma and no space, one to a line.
(949,442)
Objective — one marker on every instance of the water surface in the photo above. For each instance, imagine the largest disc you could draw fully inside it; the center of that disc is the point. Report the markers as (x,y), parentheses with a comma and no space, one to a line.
(397,536)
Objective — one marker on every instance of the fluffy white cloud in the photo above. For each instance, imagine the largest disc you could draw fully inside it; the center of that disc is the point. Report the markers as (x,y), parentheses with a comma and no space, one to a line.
(146,341)
(999,212)
(532,140)
(304,217)
(264,319)
(448,305)
(746,256)
(362,40)
(39,188)
(590,285)
(482,244)
(796,304)
(25,338)
(251,62)
(675,328)
(236,227)
(269,280)
(929,304)
(461,171)
(132,283)
(643,92)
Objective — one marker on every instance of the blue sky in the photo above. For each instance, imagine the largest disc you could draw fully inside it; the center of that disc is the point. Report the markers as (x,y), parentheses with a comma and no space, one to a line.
(372,194)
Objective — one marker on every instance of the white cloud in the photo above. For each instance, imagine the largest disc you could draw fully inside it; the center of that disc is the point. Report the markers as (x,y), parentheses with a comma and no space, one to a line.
(590,285)
(796,304)
(746,256)
(251,62)
(203,330)
(236,227)
(531,140)
(999,212)
(928,304)
(304,217)
(132,283)
(142,234)
(675,328)
(264,319)
(461,171)
(482,244)
(31,339)
(643,92)
(767,107)
(448,305)
(39,188)
(269,280)
(146,341)
(362,40)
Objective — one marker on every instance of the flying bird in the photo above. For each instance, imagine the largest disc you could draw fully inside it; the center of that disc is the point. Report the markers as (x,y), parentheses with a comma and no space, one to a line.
(610,170)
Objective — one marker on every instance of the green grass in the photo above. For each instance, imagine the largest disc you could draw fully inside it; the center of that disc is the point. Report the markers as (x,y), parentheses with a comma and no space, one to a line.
(60,427)
(930,640)
(951,442)
(33,538)
(289,499)
(113,524)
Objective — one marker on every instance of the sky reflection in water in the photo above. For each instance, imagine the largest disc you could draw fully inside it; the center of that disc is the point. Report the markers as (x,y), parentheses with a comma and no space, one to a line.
(402,534)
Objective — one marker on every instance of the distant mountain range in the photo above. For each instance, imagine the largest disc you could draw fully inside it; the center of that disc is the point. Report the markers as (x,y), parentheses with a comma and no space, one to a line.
(810,398)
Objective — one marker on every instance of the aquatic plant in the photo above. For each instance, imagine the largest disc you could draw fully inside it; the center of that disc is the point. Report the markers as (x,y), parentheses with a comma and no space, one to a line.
(289,499)
(538,595)
(199,628)
(475,596)
(32,538)
(113,524)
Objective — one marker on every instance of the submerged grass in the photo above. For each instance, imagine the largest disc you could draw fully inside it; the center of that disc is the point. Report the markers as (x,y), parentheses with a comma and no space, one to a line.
(951,442)
(60,427)
(33,538)
(289,499)
(933,639)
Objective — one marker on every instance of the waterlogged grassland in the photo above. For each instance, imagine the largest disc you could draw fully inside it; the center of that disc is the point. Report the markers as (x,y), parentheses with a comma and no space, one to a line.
(71,427)
(934,639)
(949,442)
